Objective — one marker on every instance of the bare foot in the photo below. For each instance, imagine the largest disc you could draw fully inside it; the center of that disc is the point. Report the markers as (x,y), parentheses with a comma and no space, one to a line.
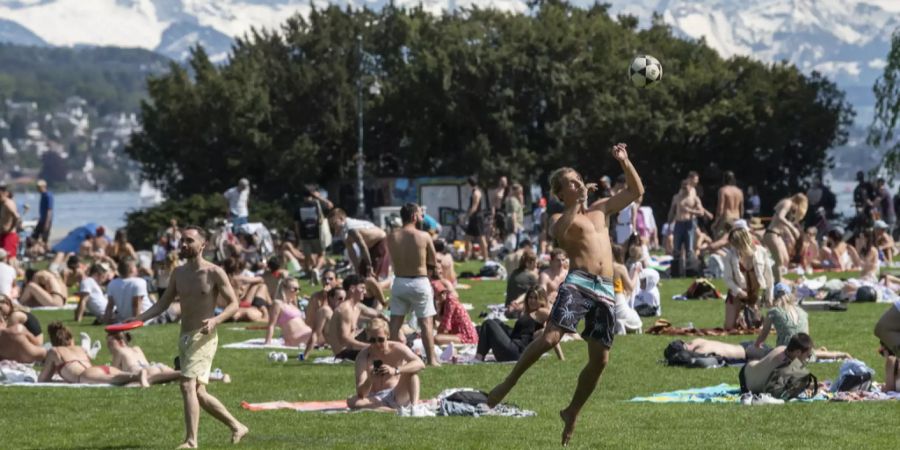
(239,434)
(434,363)
(144,381)
(568,426)
(187,445)
(497,394)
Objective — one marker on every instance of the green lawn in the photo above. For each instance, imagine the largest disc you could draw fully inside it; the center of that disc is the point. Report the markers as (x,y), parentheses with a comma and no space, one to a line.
(132,418)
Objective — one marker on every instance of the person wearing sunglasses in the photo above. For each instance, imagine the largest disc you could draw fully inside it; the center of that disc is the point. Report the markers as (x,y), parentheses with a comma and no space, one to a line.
(387,372)
(319,299)
(284,313)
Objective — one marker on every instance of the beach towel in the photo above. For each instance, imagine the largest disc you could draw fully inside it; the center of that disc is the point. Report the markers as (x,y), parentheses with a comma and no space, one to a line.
(330,360)
(664,327)
(327,405)
(66,307)
(258,343)
(723,393)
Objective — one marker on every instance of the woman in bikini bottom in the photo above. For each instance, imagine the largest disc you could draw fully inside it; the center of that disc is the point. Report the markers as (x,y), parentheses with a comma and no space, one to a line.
(73,365)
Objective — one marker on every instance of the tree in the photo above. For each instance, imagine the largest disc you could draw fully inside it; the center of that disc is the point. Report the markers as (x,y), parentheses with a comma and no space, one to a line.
(882,132)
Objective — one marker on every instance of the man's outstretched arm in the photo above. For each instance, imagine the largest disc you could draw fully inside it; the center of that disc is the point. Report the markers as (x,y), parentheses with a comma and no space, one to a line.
(634,188)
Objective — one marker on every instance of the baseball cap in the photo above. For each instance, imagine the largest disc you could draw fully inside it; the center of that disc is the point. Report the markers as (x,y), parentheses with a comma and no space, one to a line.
(881,225)
(740,224)
(782,289)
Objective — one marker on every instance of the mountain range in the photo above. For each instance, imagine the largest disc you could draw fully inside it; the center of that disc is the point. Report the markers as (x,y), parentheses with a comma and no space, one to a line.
(844,39)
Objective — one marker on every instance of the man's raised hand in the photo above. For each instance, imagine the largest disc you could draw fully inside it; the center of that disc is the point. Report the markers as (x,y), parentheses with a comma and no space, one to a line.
(620,152)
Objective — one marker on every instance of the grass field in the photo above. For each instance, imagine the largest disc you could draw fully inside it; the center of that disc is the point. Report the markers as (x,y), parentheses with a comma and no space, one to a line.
(150,418)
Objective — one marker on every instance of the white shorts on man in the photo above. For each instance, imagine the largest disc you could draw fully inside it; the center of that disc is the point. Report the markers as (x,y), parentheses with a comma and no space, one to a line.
(412,295)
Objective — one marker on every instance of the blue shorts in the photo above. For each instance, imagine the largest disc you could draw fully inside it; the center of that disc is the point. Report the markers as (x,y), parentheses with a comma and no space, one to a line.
(586,296)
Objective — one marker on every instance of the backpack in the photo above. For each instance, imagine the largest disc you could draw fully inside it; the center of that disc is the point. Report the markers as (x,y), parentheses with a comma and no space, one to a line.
(855,383)
(645,310)
(677,355)
(469,397)
(866,294)
(790,380)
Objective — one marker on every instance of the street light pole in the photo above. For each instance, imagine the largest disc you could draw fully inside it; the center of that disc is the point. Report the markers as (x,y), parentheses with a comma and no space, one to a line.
(360,158)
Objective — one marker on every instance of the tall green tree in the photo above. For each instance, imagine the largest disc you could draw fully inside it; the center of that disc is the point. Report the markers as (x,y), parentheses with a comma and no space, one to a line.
(883,131)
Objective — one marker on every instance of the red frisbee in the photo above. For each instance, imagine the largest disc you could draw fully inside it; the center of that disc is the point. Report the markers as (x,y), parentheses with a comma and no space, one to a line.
(124,326)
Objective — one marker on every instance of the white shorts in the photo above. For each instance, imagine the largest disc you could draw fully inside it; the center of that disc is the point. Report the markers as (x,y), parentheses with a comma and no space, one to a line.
(412,294)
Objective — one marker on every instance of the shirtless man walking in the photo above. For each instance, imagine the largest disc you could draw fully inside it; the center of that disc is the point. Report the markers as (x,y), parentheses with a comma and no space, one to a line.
(587,290)
(413,256)
(730,206)
(686,207)
(197,284)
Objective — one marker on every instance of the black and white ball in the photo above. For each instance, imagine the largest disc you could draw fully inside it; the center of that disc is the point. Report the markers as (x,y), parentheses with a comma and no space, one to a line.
(645,70)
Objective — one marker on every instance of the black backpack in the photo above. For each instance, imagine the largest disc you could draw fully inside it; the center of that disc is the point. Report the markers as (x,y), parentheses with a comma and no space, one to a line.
(855,383)
(866,294)
(790,380)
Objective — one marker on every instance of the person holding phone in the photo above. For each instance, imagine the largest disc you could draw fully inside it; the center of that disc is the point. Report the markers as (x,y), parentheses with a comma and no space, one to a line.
(387,373)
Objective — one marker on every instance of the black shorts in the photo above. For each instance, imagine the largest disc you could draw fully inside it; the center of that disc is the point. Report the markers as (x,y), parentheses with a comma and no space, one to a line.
(573,304)
(347,353)
(475,227)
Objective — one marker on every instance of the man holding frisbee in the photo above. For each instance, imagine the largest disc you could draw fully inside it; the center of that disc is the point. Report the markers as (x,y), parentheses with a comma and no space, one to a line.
(587,291)
(197,284)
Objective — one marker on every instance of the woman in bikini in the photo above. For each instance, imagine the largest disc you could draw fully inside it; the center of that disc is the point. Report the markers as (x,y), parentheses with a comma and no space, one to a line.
(121,248)
(836,255)
(43,288)
(784,231)
(14,314)
(131,359)
(285,314)
(73,365)
(251,291)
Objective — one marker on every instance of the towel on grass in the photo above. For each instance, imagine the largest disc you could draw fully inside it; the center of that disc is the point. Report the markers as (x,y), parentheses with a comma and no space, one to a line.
(259,343)
(329,405)
(723,393)
(66,307)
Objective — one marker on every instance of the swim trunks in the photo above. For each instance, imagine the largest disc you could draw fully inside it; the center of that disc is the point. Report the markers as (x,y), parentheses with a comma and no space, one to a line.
(412,294)
(586,296)
(196,352)
(387,398)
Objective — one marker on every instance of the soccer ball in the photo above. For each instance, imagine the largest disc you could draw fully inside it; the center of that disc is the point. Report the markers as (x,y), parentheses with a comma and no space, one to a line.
(644,70)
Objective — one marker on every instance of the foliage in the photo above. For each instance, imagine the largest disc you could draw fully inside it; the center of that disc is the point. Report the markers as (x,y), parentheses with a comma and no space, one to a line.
(485,92)
(882,132)
(144,226)
(110,79)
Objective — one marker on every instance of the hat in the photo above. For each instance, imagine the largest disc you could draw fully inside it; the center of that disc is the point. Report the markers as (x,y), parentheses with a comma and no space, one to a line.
(740,224)
(881,225)
(243,182)
(756,223)
(782,289)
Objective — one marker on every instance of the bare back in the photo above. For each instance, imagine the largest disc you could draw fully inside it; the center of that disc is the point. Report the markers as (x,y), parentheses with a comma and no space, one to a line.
(7,215)
(411,252)
(732,199)
(586,242)
(197,289)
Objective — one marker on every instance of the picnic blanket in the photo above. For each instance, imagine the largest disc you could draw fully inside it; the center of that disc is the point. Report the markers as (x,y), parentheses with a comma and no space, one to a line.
(328,405)
(723,393)
(259,343)
(664,327)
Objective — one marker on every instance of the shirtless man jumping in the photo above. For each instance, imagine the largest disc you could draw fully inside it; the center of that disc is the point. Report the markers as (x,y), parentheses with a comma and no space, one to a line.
(588,288)
(730,206)
(197,284)
(413,257)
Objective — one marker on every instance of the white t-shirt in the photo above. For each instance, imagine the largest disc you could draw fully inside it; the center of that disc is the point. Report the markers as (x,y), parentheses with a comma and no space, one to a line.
(7,278)
(96,301)
(122,292)
(237,201)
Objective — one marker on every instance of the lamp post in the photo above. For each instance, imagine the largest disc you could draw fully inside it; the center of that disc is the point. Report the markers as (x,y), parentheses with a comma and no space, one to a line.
(360,158)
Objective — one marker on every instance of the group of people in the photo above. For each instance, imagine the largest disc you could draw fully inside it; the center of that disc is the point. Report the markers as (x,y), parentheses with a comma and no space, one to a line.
(599,270)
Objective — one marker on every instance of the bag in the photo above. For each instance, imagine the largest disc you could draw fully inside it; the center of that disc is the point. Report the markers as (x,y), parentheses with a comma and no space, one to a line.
(325,237)
(866,294)
(855,383)
(645,310)
(473,398)
(790,380)
(701,288)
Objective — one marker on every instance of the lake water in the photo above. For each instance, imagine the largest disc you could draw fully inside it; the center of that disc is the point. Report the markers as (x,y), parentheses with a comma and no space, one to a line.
(73,209)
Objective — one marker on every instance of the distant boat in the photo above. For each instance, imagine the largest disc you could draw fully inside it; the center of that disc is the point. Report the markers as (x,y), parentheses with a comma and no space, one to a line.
(150,196)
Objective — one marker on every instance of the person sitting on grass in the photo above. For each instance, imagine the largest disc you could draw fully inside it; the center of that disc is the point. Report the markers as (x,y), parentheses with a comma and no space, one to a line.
(387,372)
(885,242)
(16,344)
(131,359)
(520,280)
(73,365)
(836,255)
(341,331)
(788,319)
(15,314)
(253,297)
(121,249)
(90,293)
(454,326)
(43,288)
(755,375)
(284,313)
(507,343)
(335,297)
(887,330)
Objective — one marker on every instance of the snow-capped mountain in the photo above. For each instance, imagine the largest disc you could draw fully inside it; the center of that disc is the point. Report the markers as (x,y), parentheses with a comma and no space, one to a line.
(845,39)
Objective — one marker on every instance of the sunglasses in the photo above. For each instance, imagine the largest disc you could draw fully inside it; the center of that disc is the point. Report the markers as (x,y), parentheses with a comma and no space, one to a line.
(293,288)
(378,340)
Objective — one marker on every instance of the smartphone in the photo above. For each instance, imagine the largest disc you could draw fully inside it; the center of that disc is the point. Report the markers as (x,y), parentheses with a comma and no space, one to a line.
(377,364)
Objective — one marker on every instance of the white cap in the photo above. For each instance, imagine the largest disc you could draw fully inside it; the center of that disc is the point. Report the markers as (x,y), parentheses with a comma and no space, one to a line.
(740,224)
(881,225)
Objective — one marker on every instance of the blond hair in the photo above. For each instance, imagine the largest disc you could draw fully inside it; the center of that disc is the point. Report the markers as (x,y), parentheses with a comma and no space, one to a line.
(799,205)
(556,180)
(376,324)
(13,306)
(741,240)
(788,303)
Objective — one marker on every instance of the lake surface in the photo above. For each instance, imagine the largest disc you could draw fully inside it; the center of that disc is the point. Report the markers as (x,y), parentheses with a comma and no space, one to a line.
(73,209)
